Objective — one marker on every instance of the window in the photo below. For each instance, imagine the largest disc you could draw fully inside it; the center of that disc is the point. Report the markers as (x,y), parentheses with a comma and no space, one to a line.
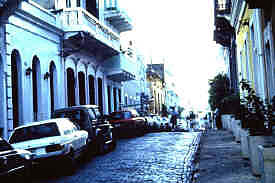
(35,132)
(68,4)
(91,114)
(77,3)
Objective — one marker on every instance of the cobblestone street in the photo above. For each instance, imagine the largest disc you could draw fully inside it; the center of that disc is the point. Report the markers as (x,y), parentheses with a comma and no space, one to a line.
(156,157)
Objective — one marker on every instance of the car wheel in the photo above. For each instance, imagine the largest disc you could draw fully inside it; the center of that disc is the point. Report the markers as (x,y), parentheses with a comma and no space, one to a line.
(28,172)
(101,146)
(88,152)
(113,143)
(70,163)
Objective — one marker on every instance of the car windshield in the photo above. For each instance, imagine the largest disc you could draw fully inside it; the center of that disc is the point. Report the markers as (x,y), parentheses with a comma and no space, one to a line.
(35,132)
(97,112)
(4,146)
(122,115)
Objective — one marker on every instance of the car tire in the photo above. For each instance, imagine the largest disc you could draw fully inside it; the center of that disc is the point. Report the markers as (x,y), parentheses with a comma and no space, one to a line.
(100,146)
(88,152)
(28,172)
(113,143)
(70,163)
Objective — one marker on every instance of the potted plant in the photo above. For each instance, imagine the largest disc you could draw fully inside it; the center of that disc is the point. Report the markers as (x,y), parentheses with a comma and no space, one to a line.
(229,106)
(255,117)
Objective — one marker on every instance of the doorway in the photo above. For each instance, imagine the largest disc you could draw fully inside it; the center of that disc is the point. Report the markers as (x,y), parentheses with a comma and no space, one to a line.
(15,79)
(92,89)
(70,87)
(82,92)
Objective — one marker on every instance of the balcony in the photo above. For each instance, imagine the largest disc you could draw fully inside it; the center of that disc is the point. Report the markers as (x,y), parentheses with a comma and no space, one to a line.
(118,18)
(8,6)
(223,32)
(83,30)
(120,68)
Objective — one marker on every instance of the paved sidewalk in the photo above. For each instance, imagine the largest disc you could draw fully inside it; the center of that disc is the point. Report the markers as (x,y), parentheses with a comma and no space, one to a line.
(221,161)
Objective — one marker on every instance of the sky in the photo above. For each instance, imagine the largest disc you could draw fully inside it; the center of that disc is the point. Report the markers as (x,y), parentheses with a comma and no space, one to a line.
(180,34)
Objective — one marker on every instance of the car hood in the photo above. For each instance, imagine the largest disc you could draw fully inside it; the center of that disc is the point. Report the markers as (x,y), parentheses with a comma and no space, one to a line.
(36,143)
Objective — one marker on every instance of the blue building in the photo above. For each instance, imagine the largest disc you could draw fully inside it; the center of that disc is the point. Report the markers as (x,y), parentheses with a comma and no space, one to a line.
(60,53)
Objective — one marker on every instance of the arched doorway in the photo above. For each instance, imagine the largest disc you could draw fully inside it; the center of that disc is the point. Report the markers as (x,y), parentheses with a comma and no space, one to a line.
(16,87)
(70,87)
(53,86)
(100,94)
(119,98)
(115,98)
(36,89)
(82,93)
(109,99)
(92,89)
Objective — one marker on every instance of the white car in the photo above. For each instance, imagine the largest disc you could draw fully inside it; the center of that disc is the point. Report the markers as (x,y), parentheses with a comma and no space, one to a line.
(54,139)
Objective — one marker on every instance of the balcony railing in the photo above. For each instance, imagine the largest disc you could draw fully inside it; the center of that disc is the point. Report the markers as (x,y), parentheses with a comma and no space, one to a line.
(121,68)
(118,18)
(78,19)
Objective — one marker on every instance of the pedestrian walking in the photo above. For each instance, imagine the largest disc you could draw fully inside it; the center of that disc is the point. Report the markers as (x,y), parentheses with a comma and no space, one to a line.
(173,119)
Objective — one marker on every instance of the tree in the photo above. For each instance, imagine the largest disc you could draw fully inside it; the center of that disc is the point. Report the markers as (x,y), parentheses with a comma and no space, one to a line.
(219,89)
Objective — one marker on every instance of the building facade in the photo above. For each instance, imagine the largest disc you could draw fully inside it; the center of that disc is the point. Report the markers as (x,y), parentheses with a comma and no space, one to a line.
(60,53)
(250,23)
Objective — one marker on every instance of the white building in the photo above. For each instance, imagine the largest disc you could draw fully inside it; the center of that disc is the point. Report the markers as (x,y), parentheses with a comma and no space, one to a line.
(60,53)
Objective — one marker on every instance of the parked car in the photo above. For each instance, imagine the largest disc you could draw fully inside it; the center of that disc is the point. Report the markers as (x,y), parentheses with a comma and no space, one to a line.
(14,162)
(101,137)
(150,122)
(55,139)
(128,122)
(182,126)
(167,124)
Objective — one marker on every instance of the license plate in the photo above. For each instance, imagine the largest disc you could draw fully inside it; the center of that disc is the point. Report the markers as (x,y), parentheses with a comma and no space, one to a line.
(117,125)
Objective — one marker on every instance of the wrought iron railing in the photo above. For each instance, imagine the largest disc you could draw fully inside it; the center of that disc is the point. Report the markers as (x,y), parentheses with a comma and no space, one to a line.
(74,18)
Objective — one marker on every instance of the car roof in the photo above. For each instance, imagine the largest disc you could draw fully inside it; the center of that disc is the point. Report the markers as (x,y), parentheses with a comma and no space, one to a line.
(78,107)
(55,120)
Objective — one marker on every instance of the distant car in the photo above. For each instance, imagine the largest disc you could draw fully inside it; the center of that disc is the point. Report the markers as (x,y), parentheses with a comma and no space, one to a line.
(14,161)
(54,139)
(128,122)
(182,126)
(167,124)
(101,137)
(150,122)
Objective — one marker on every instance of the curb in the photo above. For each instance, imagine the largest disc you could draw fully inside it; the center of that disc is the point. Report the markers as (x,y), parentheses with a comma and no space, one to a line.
(190,167)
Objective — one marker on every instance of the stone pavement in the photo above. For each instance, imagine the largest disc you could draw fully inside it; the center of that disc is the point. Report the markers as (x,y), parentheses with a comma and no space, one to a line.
(165,157)
(220,160)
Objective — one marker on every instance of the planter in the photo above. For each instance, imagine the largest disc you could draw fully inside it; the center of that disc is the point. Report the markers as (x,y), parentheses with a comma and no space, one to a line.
(225,118)
(253,143)
(266,154)
(238,131)
(244,143)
